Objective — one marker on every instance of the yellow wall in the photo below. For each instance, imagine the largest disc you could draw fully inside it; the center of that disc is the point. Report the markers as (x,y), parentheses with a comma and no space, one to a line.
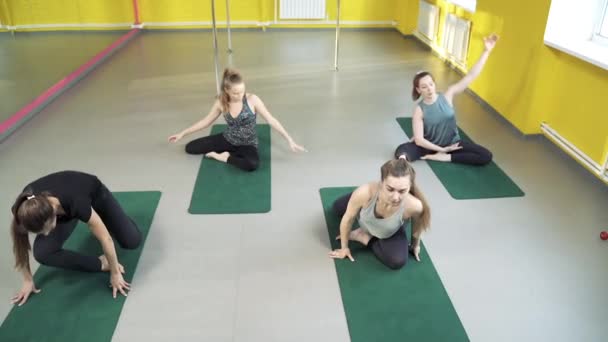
(575,103)
(251,12)
(526,81)
(262,11)
(106,11)
(511,82)
(363,10)
(529,82)
(4,15)
(70,12)
(406,16)
(166,11)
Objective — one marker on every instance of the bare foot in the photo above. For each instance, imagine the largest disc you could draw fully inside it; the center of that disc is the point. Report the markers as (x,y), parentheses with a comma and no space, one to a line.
(358,235)
(439,156)
(223,157)
(105,265)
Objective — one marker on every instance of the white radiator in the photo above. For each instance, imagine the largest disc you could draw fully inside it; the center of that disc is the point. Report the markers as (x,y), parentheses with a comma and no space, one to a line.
(469,5)
(302,9)
(456,38)
(601,171)
(428,20)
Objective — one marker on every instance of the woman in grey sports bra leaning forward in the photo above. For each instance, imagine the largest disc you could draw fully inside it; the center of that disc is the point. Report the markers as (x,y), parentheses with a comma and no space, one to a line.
(383,209)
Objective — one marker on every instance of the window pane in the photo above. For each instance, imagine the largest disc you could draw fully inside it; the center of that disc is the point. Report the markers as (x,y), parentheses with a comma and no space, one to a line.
(604,27)
(468,5)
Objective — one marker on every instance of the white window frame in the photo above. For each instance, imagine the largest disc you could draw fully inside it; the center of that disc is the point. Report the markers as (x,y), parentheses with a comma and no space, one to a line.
(606,168)
(602,20)
(467,5)
(572,27)
(447,41)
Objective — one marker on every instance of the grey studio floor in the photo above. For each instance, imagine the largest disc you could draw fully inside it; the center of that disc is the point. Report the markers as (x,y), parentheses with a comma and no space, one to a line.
(30,62)
(516,269)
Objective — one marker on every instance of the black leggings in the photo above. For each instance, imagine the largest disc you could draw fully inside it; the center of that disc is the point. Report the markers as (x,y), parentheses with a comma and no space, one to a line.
(392,251)
(244,157)
(470,153)
(48,249)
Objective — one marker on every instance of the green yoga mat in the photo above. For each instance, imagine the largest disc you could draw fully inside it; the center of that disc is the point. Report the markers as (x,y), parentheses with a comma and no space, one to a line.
(386,305)
(78,306)
(221,188)
(469,181)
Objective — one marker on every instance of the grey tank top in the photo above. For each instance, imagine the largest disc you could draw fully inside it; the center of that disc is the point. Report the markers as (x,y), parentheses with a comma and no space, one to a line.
(439,122)
(381,228)
(241,130)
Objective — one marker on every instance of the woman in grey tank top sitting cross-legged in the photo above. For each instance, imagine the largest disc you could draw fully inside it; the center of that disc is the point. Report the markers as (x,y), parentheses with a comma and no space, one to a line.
(436,135)
(238,144)
(383,209)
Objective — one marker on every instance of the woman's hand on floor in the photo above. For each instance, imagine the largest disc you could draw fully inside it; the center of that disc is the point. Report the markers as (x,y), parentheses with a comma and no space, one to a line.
(118,284)
(26,290)
(341,254)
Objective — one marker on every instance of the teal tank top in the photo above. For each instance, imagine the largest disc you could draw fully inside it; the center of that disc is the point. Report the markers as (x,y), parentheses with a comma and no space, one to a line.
(440,122)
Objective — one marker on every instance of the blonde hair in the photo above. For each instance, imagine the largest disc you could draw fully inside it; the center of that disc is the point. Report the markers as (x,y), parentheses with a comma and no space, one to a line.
(230,78)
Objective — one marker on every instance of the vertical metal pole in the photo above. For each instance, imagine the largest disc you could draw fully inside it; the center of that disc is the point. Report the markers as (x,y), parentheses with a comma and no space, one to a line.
(228,26)
(217,76)
(136,12)
(337,36)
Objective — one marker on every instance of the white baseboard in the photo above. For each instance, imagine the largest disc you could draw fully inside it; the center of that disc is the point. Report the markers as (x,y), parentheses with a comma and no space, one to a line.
(68,25)
(198,24)
(269,23)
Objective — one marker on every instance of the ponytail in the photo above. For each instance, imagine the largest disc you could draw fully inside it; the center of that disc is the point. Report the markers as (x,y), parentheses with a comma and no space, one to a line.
(229,78)
(30,213)
(424,219)
(21,246)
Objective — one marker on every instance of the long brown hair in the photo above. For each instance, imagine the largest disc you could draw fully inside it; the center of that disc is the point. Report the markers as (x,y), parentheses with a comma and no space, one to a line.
(416,81)
(30,213)
(402,168)
(230,78)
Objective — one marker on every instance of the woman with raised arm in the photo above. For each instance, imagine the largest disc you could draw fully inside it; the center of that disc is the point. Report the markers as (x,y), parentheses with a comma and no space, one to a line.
(436,134)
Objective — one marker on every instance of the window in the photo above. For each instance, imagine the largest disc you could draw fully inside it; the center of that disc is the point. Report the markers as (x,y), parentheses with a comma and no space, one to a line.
(468,5)
(601,34)
(579,28)
(604,25)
